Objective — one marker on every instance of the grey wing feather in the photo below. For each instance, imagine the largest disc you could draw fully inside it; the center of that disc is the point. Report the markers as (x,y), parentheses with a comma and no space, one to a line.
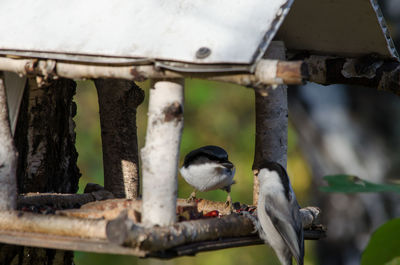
(287,222)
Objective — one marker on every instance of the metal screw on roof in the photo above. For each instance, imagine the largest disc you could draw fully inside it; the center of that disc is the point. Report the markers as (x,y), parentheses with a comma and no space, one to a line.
(203,52)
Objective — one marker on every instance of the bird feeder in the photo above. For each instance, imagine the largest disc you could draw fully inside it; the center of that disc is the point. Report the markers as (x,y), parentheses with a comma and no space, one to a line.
(258,44)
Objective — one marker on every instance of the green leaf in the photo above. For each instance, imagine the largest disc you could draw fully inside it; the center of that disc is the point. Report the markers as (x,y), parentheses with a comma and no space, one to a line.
(384,245)
(395,261)
(350,184)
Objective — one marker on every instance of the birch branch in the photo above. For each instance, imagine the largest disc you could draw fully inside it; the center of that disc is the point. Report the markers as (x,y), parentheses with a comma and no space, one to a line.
(8,157)
(160,154)
(267,72)
(367,71)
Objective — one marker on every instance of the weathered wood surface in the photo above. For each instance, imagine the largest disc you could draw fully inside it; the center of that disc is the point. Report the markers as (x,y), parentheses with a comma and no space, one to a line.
(271,121)
(103,208)
(369,71)
(124,232)
(118,101)
(65,243)
(62,200)
(266,72)
(85,234)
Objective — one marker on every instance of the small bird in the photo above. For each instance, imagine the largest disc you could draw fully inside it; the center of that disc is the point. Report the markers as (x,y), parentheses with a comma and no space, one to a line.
(278,214)
(208,168)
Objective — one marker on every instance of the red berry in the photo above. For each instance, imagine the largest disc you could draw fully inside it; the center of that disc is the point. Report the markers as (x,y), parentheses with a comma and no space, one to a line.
(214,213)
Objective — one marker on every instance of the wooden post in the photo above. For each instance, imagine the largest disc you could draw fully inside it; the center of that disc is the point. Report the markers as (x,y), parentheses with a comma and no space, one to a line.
(160,155)
(118,101)
(8,157)
(271,121)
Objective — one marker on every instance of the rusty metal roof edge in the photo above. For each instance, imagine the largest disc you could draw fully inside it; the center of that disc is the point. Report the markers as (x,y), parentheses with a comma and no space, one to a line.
(384,28)
(270,34)
(78,58)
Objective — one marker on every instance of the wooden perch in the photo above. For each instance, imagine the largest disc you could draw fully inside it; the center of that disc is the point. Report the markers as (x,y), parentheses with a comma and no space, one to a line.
(118,101)
(271,122)
(62,232)
(266,72)
(124,232)
(160,155)
(8,157)
(61,201)
(367,71)
(52,224)
(111,208)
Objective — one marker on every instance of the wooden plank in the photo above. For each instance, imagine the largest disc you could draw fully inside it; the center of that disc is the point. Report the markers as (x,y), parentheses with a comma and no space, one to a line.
(66,243)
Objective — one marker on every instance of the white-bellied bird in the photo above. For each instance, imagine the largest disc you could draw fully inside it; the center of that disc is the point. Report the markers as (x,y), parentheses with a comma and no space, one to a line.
(208,168)
(279,214)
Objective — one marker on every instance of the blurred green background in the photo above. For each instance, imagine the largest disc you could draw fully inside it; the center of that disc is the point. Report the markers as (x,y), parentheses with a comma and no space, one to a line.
(215,113)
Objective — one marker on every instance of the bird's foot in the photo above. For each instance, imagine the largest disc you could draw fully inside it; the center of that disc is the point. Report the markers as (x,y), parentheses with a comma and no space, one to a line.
(229,204)
(254,220)
(192,197)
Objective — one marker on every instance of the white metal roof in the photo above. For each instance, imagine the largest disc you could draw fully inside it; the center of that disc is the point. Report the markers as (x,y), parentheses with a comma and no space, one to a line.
(193,31)
(232,31)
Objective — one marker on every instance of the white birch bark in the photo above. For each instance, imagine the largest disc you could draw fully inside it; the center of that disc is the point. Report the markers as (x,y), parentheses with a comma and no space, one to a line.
(8,157)
(161,153)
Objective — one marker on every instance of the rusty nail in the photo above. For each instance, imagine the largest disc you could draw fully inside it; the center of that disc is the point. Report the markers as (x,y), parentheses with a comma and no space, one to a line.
(203,52)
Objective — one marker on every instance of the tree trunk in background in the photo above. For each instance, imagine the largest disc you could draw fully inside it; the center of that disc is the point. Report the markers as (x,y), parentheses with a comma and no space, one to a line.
(45,140)
(350,130)
(340,131)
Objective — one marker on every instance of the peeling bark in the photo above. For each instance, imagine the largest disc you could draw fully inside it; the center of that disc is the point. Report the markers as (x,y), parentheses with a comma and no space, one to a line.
(282,72)
(45,140)
(160,156)
(271,122)
(118,101)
